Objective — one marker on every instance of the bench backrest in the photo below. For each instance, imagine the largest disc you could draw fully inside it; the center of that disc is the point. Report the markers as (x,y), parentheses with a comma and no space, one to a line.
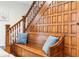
(39,38)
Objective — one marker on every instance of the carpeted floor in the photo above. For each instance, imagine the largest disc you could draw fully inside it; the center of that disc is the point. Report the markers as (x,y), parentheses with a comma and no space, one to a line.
(4,53)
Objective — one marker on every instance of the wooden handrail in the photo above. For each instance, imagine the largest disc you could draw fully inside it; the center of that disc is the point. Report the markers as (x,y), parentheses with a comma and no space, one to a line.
(42,10)
(16,23)
(31,21)
(25,16)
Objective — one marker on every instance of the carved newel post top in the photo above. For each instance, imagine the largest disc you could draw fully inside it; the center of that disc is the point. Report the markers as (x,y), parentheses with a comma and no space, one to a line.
(7,25)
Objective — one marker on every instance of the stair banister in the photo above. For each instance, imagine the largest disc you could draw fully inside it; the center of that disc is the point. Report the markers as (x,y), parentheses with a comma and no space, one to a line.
(20,26)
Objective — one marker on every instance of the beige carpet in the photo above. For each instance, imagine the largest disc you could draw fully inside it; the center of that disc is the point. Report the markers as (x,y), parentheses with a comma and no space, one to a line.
(4,53)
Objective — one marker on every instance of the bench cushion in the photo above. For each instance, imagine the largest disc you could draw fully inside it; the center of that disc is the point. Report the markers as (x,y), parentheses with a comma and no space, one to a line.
(22,38)
(49,42)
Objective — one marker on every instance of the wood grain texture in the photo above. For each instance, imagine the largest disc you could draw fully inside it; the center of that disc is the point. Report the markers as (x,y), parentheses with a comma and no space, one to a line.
(7,44)
(34,47)
(61,17)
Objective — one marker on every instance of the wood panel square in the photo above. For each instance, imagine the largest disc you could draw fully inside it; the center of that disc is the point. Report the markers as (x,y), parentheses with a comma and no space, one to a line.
(48,29)
(78,52)
(59,18)
(67,51)
(49,9)
(74,29)
(74,52)
(66,40)
(54,29)
(49,19)
(66,18)
(45,28)
(65,28)
(44,20)
(74,17)
(74,41)
(74,5)
(54,19)
(66,6)
(59,8)
(51,28)
(59,29)
(69,29)
(54,9)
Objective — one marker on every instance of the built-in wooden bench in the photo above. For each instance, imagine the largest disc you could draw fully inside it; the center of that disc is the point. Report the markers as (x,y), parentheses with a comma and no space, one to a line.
(35,44)
(29,51)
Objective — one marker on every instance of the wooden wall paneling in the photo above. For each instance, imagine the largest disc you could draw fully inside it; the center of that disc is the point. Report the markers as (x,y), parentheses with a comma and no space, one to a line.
(48,20)
(54,9)
(74,46)
(49,10)
(59,8)
(41,12)
(77,28)
(66,6)
(61,17)
(74,5)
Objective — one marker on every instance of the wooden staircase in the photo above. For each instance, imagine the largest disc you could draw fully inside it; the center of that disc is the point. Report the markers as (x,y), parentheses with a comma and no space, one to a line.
(25,24)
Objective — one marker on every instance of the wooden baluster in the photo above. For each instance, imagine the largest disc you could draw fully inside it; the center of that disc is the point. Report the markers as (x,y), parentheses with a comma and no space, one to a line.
(11,38)
(31,14)
(19,27)
(30,17)
(7,48)
(37,6)
(28,20)
(24,21)
(12,33)
(15,34)
(35,9)
(26,24)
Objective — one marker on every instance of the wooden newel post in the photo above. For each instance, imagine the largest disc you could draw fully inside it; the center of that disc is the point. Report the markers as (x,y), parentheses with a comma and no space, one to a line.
(7,38)
(24,22)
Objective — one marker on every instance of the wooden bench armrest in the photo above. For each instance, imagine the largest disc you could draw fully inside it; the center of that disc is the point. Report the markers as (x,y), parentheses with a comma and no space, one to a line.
(57,43)
(56,48)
